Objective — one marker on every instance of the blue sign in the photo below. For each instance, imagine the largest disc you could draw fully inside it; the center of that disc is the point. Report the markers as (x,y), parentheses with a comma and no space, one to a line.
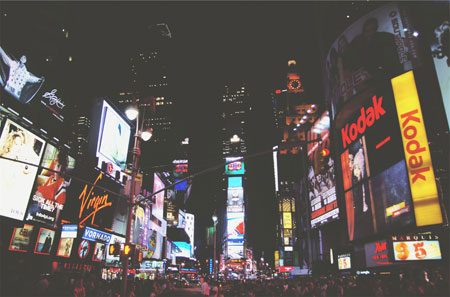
(92,234)
(210,266)
(69,231)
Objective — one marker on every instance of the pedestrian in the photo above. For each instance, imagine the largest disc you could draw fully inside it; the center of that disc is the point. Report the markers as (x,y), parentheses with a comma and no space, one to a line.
(79,290)
(204,287)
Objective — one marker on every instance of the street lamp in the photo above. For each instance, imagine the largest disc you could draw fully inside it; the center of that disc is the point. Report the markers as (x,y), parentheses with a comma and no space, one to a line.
(214,218)
(132,114)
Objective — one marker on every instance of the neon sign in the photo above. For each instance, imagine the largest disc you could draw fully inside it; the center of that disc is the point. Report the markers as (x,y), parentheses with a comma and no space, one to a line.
(91,202)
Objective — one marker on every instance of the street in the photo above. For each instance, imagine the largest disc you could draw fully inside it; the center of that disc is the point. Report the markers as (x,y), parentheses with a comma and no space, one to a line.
(181,292)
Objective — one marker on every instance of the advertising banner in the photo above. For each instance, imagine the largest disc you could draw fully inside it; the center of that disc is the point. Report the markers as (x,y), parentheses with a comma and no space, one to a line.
(344,262)
(49,192)
(99,252)
(416,247)
(235,182)
(235,196)
(417,152)
(181,249)
(377,254)
(235,228)
(68,235)
(321,177)
(378,46)
(287,220)
(158,199)
(92,234)
(17,144)
(44,241)
(20,239)
(234,168)
(235,251)
(110,259)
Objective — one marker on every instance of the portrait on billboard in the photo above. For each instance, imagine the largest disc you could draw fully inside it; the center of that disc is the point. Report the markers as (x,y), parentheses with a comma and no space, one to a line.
(354,163)
(17,144)
(16,80)
(65,247)
(138,226)
(158,199)
(359,208)
(20,239)
(49,192)
(44,241)
(99,252)
(83,249)
(378,46)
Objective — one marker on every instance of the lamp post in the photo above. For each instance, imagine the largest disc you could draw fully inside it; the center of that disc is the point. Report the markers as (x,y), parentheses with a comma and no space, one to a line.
(132,114)
(214,218)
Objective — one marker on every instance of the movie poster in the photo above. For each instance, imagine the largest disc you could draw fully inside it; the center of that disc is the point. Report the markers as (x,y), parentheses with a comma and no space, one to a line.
(20,239)
(17,144)
(65,247)
(49,192)
(44,241)
(378,46)
(99,252)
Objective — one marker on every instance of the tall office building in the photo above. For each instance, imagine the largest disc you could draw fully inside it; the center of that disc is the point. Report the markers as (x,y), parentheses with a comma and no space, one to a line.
(80,135)
(234,109)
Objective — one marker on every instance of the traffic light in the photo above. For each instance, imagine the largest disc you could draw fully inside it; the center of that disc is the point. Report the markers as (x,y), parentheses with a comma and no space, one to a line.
(114,249)
(128,250)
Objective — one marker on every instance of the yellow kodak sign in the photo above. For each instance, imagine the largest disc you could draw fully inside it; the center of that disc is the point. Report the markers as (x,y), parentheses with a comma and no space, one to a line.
(424,193)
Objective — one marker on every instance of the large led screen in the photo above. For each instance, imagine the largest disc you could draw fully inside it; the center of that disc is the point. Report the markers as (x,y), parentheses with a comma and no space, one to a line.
(377,254)
(16,179)
(373,169)
(234,168)
(113,139)
(235,196)
(235,251)
(377,46)
(235,182)
(321,178)
(235,228)
(49,192)
(181,249)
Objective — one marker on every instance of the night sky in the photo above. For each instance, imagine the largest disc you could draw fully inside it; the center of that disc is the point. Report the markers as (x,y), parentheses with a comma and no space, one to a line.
(213,44)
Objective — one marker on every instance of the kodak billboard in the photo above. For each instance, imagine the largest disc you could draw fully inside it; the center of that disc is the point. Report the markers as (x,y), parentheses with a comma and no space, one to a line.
(424,193)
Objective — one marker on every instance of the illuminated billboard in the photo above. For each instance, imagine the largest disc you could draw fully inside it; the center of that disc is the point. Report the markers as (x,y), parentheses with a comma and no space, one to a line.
(17,144)
(181,249)
(44,241)
(113,138)
(374,174)
(158,199)
(234,168)
(20,239)
(321,177)
(235,182)
(235,228)
(425,197)
(235,251)
(235,196)
(416,247)
(379,45)
(49,192)
(68,235)
(110,259)
(287,220)
(377,254)
(344,262)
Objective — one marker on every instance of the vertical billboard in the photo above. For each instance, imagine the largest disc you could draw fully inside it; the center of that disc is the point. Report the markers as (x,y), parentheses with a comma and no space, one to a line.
(321,177)
(44,241)
(49,193)
(68,235)
(235,228)
(17,145)
(158,199)
(425,197)
(377,46)
(113,138)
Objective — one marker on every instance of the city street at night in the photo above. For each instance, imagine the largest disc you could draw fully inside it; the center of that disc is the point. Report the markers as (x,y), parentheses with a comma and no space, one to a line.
(224,148)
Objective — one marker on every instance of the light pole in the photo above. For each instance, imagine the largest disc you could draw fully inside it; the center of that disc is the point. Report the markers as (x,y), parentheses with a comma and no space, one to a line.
(214,218)
(132,114)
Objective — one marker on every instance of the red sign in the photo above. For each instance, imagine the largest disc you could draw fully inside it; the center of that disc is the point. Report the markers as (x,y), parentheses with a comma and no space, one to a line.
(286,268)
(234,166)
(181,168)
(367,118)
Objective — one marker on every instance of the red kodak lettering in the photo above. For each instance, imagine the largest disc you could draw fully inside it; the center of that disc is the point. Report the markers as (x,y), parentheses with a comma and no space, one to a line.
(409,117)
(418,174)
(367,118)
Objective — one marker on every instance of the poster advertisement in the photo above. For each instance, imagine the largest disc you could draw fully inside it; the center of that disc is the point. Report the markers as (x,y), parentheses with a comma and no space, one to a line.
(344,262)
(234,168)
(321,176)
(235,196)
(20,239)
(114,138)
(49,192)
(110,259)
(44,241)
(377,46)
(235,251)
(158,199)
(235,228)
(377,254)
(417,250)
(181,249)
(99,252)
(68,235)
(17,144)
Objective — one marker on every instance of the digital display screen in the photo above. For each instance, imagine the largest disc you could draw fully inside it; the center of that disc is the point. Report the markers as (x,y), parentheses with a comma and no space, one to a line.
(114,138)
(235,251)
(49,192)
(235,228)
(234,168)
(181,249)
(182,186)
(321,178)
(17,143)
(235,196)
(344,262)
(235,182)
(416,248)
(377,254)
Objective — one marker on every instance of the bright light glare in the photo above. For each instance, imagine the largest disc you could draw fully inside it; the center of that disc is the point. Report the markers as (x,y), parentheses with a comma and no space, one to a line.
(131,113)
(146,135)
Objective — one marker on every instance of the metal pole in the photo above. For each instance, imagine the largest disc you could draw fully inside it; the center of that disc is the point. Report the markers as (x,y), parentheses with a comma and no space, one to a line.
(136,154)
(215,255)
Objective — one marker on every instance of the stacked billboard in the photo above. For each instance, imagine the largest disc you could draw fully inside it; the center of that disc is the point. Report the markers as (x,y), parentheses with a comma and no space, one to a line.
(235,169)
